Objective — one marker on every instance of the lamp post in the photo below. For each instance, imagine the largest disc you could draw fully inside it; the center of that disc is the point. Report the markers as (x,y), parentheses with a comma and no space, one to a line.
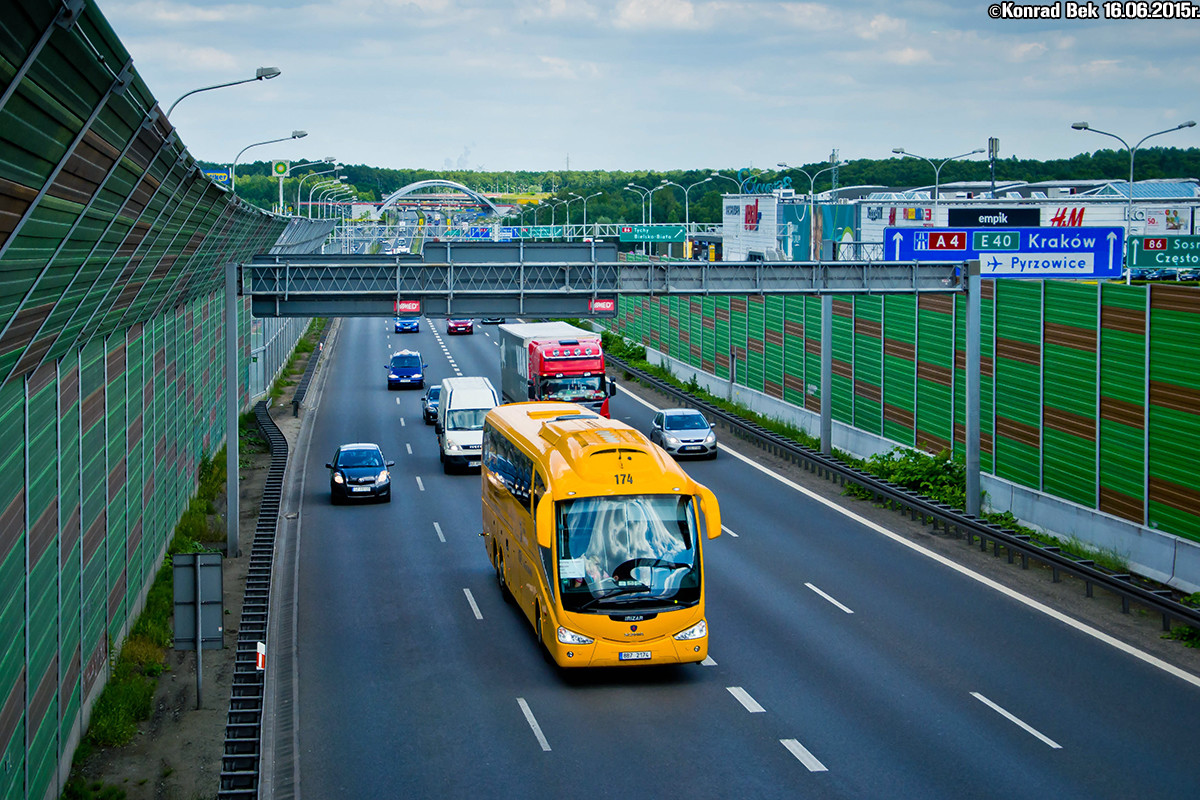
(661,185)
(554,204)
(642,192)
(322,162)
(1083,126)
(687,215)
(326,194)
(726,177)
(589,197)
(813,251)
(261,74)
(937,167)
(303,178)
(233,167)
(317,185)
(568,211)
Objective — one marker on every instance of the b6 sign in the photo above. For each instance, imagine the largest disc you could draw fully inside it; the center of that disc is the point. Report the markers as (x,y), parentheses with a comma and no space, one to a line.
(408,306)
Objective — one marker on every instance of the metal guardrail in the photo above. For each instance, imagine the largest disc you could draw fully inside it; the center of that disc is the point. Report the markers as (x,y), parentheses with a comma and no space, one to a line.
(1128,587)
(306,378)
(242,758)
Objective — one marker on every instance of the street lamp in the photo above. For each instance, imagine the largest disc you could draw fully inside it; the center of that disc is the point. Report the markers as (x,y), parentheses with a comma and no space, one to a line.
(303,178)
(687,215)
(937,167)
(642,192)
(589,197)
(812,191)
(568,210)
(327,196)
(554,204)
(322,162)
(1083,126)
(661,185)
(233,167)
(315,186)
(726,177)
(261,74)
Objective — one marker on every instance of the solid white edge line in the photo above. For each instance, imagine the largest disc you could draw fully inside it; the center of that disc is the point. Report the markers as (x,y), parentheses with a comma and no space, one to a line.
(806,758)
(743,697)
(731,533)
(1082,627)
(537,730)
(471,600)
(1019,723)
(420,485)
(830,599)
(438,528)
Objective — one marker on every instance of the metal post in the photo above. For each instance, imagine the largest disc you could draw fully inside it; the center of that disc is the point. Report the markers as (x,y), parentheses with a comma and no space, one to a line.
(974,355)
(231,413)
(827,374)
(199,638)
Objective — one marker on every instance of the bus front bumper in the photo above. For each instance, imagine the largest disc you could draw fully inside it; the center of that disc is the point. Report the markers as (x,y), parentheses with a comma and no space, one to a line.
(605,653)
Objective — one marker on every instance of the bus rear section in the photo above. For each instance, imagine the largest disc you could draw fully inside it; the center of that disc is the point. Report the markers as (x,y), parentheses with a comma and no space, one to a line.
(597,535)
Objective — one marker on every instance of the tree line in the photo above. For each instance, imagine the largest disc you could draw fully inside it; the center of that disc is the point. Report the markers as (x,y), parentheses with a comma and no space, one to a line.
(616,203)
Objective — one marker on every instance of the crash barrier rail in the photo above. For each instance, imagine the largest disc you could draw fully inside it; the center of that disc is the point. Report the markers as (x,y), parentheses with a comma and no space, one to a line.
(1129,588)
(309,369)
(242,758)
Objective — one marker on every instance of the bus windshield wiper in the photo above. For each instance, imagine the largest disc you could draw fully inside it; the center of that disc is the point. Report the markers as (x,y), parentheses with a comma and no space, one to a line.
(617,592)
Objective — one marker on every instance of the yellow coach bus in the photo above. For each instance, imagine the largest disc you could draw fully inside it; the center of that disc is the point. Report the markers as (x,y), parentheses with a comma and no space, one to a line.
(596,534)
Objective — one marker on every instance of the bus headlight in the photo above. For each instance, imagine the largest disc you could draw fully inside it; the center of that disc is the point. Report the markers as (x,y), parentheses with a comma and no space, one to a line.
(571,637)
(451,447)
(697,631)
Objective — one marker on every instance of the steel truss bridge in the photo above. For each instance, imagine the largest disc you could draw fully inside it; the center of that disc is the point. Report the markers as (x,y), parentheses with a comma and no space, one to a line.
(542,279)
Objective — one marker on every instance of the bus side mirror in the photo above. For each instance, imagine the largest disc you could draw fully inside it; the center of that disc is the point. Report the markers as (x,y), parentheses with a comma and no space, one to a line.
(532,392)
(543,521)
(612,388)
(711,511)
(437,428)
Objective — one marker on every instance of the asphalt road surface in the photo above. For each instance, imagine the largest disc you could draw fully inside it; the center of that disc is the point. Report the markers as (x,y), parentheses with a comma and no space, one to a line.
(845,660)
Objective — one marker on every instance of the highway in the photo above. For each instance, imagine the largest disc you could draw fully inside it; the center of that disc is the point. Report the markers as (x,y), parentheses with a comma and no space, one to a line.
(845,661)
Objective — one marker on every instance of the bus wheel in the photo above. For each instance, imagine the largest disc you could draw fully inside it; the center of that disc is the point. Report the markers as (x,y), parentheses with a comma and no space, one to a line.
(500,579)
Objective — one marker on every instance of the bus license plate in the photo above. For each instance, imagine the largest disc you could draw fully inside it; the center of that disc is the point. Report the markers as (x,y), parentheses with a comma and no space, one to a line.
(472,463)
(636,655)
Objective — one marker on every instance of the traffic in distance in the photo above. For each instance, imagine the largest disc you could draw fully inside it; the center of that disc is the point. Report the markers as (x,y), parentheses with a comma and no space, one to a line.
(591,526)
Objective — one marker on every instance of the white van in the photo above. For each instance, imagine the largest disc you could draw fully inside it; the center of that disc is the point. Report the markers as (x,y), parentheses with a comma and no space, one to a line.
(463,404)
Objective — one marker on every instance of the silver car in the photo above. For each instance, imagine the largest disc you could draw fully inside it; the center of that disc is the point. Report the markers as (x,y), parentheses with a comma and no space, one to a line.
(684,432)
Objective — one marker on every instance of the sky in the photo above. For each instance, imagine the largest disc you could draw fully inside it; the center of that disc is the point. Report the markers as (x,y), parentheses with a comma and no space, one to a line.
(636,85)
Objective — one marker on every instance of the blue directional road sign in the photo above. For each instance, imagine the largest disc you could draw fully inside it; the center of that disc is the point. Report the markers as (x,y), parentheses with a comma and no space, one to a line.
(1014,252)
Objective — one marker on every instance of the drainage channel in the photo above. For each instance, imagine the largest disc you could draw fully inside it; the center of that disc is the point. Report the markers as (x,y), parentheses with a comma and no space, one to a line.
(243,727)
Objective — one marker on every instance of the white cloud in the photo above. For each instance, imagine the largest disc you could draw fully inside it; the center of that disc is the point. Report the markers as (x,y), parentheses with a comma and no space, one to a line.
(908,56)
(656,14)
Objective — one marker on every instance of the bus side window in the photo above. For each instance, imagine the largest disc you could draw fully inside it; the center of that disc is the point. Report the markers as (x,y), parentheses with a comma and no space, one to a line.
(539,489)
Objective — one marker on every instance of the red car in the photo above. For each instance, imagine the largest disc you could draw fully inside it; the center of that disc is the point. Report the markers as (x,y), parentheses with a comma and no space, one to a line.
(460,326)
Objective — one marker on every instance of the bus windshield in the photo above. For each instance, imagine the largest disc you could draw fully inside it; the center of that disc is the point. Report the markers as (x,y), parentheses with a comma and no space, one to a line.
(635,552)
(573,389)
